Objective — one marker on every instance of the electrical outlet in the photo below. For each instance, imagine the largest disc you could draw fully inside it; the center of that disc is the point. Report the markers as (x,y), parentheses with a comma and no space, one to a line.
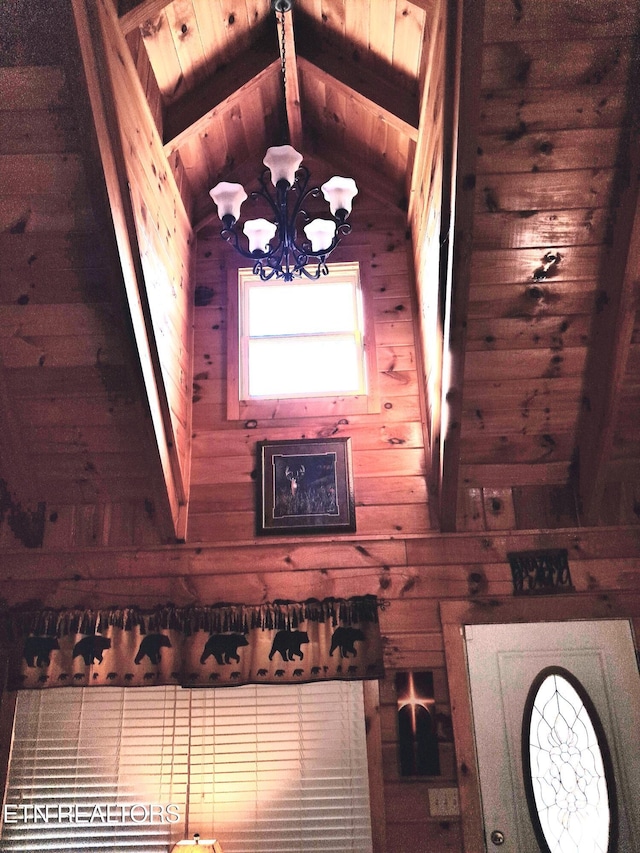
(443,802)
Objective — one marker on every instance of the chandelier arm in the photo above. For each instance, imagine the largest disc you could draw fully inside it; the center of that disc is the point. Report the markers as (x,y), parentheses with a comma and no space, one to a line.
(231,237)
(342,228)
(265,194)
(299,187)
(275,256)
(321,269)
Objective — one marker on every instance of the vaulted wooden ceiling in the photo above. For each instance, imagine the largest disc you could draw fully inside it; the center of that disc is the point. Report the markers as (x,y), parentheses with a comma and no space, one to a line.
(353,70)
(532,351)
(541,384)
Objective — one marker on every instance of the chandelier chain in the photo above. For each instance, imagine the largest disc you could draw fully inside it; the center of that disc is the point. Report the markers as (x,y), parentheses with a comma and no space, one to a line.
(283,68)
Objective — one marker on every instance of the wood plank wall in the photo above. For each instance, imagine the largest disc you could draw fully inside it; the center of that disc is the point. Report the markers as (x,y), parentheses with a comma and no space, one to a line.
(388,446)
(413,575)
(164,244)
(73,460)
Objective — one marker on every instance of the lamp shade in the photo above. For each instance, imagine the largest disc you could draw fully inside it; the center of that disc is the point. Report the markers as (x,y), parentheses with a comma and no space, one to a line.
(283,161)
(339,192)
(259,232)
(228,199)
(320,232)
(197,845)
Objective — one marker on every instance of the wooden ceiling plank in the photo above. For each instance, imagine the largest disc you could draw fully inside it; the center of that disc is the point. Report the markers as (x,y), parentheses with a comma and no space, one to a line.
(188,44)
(159,45)
(611,339)
(381,29)
(141,14)
(546,20)
(528,65)
(238,81)
(409,39)
(367,92)
(508,476)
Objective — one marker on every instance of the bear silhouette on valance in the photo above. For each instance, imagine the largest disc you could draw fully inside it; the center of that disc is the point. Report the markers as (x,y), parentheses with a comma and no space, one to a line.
(220,645)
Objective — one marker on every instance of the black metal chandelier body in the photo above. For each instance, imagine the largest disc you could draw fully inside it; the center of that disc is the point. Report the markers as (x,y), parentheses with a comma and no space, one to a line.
(275,245)
(287,255)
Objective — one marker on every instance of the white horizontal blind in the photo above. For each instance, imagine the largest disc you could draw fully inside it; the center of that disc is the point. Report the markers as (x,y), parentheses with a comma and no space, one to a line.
(272,767)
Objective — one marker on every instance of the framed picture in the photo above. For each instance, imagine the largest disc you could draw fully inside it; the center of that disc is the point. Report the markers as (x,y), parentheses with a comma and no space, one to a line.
(305,486)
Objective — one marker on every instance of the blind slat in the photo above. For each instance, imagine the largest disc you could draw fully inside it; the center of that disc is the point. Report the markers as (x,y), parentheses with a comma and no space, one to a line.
(264,767)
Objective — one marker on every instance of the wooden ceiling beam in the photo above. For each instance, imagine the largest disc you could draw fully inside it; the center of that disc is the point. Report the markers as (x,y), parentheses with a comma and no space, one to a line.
(97,29)
(397,107)
(618,298)
(191,114)
(140,14)
(464,40)
(289,60)
(349,92)
(426,5)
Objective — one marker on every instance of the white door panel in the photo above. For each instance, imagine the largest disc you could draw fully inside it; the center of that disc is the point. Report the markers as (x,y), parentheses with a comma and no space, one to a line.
(503,662)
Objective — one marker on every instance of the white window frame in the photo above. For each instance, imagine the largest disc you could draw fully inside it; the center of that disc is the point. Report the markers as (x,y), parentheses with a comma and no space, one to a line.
(348,274)
(361,401)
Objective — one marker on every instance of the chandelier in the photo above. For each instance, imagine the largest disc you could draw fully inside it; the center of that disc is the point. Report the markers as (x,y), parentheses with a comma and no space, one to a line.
(287,242)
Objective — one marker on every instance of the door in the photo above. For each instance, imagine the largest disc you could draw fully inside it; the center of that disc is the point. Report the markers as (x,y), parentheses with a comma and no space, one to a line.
(504,661)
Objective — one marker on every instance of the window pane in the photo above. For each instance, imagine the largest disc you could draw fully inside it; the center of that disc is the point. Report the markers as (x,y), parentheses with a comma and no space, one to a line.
(566,774)
(297,309)
(305,366)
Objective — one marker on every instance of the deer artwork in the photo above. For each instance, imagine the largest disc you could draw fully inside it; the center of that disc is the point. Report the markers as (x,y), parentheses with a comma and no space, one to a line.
(294,476)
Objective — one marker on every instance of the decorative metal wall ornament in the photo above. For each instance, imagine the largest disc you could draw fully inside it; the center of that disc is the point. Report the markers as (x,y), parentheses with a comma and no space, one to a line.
(540,571)
(274,244)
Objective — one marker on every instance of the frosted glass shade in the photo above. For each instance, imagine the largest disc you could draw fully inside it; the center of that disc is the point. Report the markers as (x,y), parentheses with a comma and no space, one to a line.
(228,199)
(321,232)
(259,232)
(283,161)
(339,192)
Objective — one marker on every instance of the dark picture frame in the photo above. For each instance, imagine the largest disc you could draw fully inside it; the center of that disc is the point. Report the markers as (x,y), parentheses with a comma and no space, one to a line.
(305,486)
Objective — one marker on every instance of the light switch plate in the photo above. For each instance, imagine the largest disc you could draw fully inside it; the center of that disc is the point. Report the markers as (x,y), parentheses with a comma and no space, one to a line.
(443,802)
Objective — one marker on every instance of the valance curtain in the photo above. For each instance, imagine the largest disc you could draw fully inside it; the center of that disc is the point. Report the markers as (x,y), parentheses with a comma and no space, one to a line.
(219,645)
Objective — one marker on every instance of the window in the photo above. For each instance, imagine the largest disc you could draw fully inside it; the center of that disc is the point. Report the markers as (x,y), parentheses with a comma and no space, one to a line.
(299,340)
(261,767)
(568,774)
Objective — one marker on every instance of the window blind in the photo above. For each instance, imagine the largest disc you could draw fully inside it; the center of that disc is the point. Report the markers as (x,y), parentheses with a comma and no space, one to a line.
(260,767)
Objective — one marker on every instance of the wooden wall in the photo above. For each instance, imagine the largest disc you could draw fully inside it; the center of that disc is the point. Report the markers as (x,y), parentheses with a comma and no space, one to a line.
(413,575)
(74,461)
(100,540)
(153,234)
(388,446)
